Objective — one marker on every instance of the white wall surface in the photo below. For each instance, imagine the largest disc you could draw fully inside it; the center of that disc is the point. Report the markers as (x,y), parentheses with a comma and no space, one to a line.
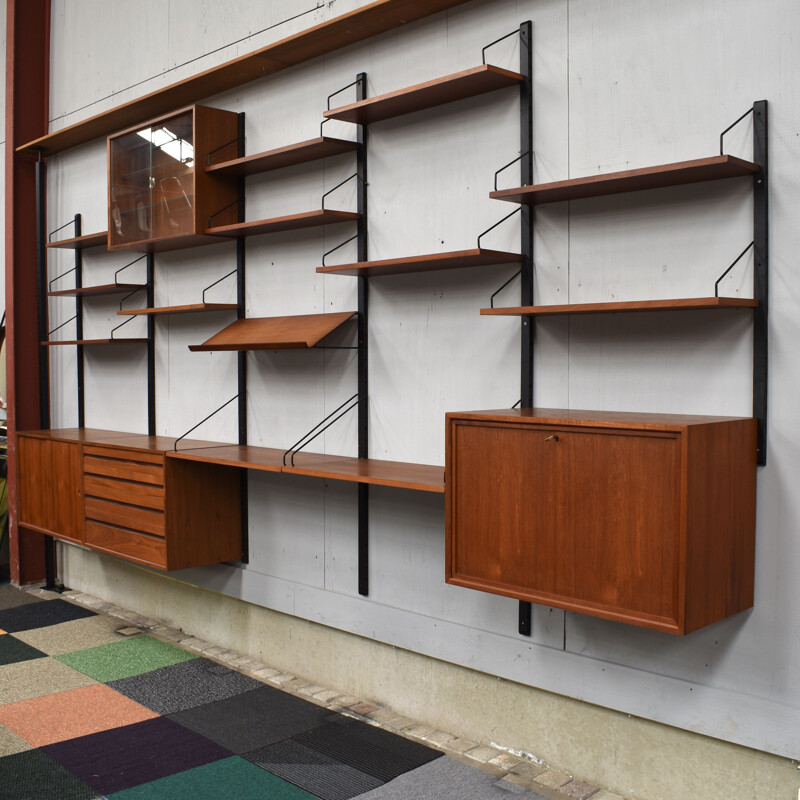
(617,84)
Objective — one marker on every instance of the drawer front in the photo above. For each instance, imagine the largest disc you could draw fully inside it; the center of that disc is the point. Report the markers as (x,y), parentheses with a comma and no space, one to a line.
(124,503)
(128,544)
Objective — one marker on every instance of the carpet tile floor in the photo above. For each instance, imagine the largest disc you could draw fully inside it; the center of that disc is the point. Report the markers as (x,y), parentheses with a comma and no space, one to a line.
(89,713)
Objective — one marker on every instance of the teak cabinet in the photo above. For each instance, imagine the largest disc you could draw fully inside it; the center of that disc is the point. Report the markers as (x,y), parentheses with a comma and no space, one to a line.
(121,494)
(647,519)
(159,194)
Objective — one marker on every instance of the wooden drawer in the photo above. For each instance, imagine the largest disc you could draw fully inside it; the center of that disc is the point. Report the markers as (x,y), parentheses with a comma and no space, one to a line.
(128,544)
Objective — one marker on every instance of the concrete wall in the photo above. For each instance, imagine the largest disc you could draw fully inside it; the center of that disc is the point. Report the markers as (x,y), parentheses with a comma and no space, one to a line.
(617,84)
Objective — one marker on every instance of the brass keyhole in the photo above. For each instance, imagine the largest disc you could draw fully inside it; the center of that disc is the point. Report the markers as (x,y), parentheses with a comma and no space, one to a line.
(553,437)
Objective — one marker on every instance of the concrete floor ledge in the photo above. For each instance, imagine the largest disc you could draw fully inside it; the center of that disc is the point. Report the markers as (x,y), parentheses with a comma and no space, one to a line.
(550,743)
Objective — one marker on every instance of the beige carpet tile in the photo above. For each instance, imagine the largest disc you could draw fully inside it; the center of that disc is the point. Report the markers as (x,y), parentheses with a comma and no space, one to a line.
(77,634)
(27,679)
(10,743)
(68,715)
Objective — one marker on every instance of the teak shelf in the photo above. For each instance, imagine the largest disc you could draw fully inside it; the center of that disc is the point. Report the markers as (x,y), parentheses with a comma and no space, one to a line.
(685,304)
(299,153)
(93,341)
(275,333)
(82,242)
(187,309)
(458,86)
(290,222)
(89,291)
(426,263)
(632,180)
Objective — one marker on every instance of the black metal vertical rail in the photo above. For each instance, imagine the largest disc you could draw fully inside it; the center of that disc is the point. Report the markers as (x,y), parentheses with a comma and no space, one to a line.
(151,346)
(241,356)
(526,228)
(760,274)
(44,357)
(79,326)
(363,346)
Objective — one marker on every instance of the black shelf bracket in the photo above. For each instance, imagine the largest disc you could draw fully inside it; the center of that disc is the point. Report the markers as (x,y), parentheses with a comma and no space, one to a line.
(205,419)
(319,428)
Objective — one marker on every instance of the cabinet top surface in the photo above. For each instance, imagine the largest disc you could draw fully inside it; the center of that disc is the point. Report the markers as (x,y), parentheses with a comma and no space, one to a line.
(116,439)
(584,418)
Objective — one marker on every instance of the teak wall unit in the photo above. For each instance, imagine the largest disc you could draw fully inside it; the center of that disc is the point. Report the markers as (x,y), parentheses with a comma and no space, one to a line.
(647,519)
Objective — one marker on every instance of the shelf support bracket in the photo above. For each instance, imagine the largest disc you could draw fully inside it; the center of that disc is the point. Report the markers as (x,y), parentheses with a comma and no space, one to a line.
(205,419)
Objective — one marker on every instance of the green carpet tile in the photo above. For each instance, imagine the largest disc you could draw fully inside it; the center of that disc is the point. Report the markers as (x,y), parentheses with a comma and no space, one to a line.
(229,778)
(34,776)
(112,662)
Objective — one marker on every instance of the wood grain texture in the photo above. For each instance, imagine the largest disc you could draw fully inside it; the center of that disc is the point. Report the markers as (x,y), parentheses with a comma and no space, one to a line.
(681,304)
(147,495)
(630,521)
(458,86)
(124,515)
(354,26)
(289,222)
(426,263)
(192,308)
(84,242)
(50,487)
(127,544)
(630,180)
(298,153)
(89,291)
(275,333)
(264,459)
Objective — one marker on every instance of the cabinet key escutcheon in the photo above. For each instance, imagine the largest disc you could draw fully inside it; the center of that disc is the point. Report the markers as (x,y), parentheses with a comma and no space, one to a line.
(552,437)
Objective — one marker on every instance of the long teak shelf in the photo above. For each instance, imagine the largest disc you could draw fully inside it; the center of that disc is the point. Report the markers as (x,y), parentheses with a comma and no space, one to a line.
(82,242)
(299,153)
(631,180)
(186,309)
(458,86)
(289,222)
(275,333)
(88,291)
(94,341)
(686,304)
(425,263)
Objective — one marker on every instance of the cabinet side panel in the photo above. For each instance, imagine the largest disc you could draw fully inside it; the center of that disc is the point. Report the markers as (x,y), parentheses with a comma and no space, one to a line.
(50,487)
(213,129)
(721,521)
(203,514)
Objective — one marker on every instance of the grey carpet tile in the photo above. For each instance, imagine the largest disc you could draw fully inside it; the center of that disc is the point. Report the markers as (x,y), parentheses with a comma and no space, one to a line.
(446,779)
(76,634)
(366,748)
(11,598)
(314,772)
(183,686)
(253,719)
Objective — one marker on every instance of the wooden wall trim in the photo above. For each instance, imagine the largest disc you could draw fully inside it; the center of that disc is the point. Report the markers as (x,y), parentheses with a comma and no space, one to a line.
(354,26)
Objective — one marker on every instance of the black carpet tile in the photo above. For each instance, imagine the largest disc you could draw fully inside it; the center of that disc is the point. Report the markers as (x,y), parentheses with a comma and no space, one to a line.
(184,686)
(253,719)
(120,758)
(34,776)
(11,597)
(40,615)
(315,772)
(366,748)
(12,650)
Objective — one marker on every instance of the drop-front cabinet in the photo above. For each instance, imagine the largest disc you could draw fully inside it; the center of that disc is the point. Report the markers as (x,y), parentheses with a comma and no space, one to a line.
(647,519)
(121,494)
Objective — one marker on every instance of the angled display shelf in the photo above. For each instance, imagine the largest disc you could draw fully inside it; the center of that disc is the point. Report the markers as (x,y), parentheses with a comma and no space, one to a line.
(631,180)
(82,242)
(426,263)
(686,304)
(275,333)
(93,341)
(290,222)
(299,153)
(88,291)
(187,309)
(458,86)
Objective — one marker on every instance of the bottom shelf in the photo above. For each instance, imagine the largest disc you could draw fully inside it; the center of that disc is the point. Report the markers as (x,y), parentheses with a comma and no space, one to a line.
(680,304)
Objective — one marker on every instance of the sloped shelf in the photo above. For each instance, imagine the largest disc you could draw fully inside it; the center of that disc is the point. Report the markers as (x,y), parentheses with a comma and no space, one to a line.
(290,222)
(299,153)
(82,242)
(459,85)
(426,263)
(88,291)
(631,180)
(682,304)
(187,309)
(93,341)
(400,475)
(275,333)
